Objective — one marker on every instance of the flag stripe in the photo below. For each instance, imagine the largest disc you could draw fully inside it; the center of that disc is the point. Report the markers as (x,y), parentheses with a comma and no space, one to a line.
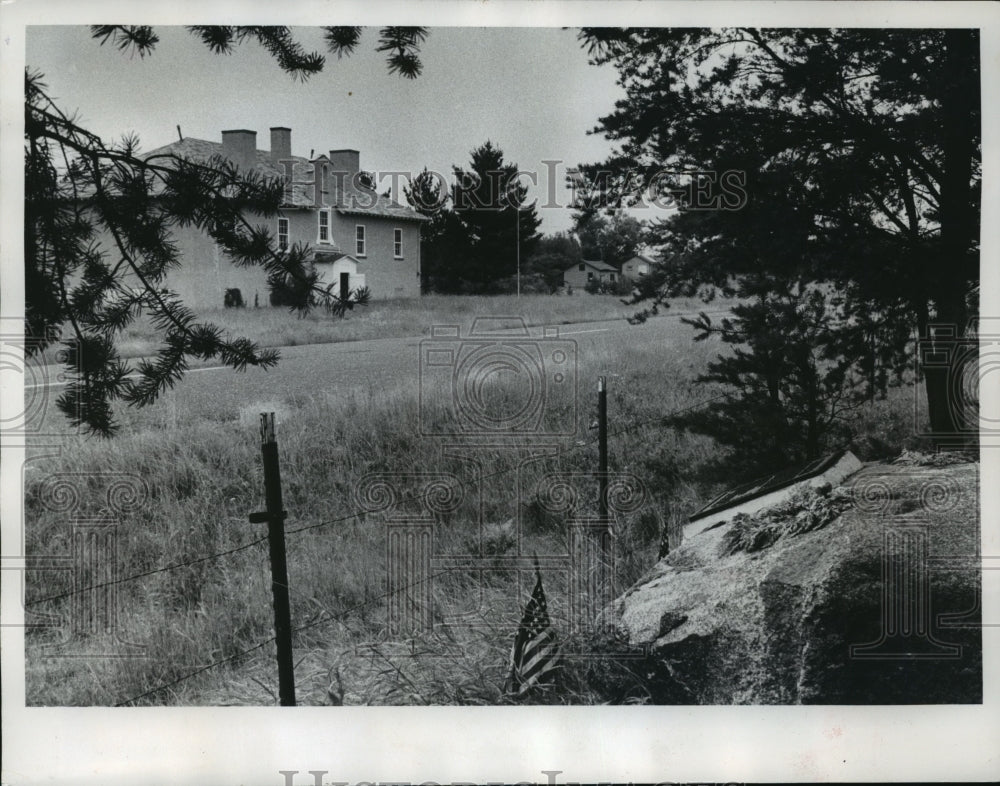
(535,652)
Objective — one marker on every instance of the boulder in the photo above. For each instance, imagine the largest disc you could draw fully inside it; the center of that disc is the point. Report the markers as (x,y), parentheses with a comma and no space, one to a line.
(808,616)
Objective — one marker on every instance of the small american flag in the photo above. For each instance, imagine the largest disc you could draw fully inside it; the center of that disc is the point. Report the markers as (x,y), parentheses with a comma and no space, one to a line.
(535,655)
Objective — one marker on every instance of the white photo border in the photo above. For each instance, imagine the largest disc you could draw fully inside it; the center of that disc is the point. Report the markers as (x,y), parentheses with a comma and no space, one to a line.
(497,744)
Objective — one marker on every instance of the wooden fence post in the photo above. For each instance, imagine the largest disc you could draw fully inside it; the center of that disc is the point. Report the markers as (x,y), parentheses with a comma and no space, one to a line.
(275,518)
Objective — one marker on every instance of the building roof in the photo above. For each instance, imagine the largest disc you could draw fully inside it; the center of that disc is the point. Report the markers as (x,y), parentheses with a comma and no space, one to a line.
(641,258)
(352,199)
(602,267)
(324,256)
(767,484)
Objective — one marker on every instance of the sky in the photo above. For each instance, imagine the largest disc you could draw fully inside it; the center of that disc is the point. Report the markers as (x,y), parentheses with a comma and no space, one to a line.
(529,90)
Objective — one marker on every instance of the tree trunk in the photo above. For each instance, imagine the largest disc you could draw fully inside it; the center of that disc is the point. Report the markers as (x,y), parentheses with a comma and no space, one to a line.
(958,263)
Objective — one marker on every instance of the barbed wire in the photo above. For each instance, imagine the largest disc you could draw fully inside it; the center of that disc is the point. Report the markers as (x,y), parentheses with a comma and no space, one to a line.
(195,673)
(151,572)
(659,420)
(330,617)
(358,513)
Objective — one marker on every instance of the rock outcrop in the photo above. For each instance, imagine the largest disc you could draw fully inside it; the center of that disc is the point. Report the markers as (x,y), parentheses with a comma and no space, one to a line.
(880,605)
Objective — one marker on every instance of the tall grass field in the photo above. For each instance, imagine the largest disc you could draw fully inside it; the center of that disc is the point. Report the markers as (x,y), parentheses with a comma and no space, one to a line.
(278,327)
(192,604)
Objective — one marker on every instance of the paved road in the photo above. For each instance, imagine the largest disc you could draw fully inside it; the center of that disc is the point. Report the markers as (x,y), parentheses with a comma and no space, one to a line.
(218,393)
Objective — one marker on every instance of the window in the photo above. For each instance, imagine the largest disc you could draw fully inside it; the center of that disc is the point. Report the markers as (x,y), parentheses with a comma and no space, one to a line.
(590,276)
(282,234)
(360,240)
(583,266)
(612,276)
(324,226)
(397,243)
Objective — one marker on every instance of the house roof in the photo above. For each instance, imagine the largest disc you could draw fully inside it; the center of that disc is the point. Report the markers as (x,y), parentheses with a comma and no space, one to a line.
(602,267)
(352,199)
(323,256)
(767,484)
(642,258)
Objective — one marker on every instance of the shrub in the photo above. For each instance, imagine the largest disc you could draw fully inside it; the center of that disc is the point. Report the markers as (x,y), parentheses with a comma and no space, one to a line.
(620,286)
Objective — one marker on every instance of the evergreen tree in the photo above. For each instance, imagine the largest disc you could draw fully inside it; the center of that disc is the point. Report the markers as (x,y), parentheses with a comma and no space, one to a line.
(488,199)
(78,188)
(848,158)
(793,372)
(443,244)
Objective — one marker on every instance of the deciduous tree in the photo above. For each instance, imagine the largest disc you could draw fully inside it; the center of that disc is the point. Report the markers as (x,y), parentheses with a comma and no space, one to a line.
(614,239)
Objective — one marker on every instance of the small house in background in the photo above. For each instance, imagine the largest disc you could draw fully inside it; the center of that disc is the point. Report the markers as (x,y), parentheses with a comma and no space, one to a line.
(358,237)
(585,272)
(339,270)
(768,491)
(637,267)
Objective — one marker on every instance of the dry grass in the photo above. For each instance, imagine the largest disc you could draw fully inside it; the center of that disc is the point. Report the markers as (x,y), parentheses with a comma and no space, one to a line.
(277,327)
(204,478)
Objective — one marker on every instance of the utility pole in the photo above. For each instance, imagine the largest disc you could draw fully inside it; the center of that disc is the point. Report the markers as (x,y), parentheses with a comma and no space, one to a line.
(602,446)
(517,243)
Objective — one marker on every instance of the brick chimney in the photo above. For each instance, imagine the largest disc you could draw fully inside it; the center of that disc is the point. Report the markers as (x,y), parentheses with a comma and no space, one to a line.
(281,143)
(240,147)
(345,161)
